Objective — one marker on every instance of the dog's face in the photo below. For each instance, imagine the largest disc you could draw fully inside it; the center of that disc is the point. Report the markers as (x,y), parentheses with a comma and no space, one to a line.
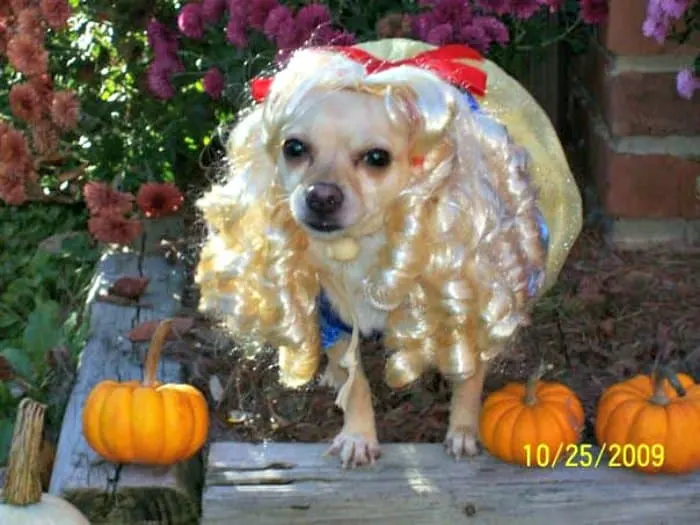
(342,161)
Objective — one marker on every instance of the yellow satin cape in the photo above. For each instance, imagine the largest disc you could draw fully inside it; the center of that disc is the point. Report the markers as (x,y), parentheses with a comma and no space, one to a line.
(512,105)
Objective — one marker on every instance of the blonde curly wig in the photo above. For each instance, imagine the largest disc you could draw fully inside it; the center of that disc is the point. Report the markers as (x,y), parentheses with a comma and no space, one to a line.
(467,244)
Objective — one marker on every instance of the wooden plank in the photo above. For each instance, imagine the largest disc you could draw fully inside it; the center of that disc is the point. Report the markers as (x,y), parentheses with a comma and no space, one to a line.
(105,492)
(417,484)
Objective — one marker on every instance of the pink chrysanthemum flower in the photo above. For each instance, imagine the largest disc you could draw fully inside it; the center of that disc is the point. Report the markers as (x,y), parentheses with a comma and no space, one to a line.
(112,228)
(213,83)
(500,7)
(19,5)
(190,21)
(213,10)
(259,11)
(159,199)
(12,186)
(65,109)
(311,16)
(102,199)
(279,20)
(25,102)
(27,55)
(440,34)
(56,13)
(524,9)
(494,30)
(14,150)
(236,33)
(474,36)
(158,81)
(31,22)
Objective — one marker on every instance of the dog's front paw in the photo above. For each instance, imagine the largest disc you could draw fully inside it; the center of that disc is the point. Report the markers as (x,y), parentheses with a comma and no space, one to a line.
(354,449)
(462,441)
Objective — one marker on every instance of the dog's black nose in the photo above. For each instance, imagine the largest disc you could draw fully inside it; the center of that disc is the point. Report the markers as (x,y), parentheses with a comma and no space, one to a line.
(324,198)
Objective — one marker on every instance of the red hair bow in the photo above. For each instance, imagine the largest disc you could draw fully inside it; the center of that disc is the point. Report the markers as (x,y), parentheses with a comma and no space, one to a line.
(441,61)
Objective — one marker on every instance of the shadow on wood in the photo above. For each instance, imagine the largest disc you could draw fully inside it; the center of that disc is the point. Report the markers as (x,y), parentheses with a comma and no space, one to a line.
(417,484)
(107,493)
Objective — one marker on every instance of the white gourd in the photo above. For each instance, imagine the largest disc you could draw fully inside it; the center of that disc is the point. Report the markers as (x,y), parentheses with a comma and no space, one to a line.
(21,499)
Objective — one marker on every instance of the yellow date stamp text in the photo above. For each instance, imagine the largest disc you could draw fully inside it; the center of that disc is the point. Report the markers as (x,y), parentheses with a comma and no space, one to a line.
(585,455)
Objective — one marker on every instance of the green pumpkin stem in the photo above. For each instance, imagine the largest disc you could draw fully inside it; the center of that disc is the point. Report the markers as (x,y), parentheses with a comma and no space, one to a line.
(153,355)
(659,374)
(23,482)
(531,386)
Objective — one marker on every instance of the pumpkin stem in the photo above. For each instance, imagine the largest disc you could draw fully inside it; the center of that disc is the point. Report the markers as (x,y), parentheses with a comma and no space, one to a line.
(153,355)
(661,373)
(531,386)
(23,483)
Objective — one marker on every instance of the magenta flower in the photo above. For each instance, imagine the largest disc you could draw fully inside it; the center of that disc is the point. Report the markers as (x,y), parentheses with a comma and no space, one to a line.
(454,12)
(342,38)
(594,11)
(259,11)
(524,9)
(239,10)
(421,25)
(190,21)
(161,39)
(236,33)
(687,83)
(213,10)
(213,83)
(500,7)
(278,22)
(474,36)
(494,30)
(311,16)
(440,35)
(158,79)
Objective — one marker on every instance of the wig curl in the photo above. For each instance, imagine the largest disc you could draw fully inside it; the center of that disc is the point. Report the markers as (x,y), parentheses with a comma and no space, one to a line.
(469,246)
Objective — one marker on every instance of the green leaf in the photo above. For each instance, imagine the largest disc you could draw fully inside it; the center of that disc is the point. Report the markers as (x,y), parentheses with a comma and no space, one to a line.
(42,331)
(6,429)
(19,361)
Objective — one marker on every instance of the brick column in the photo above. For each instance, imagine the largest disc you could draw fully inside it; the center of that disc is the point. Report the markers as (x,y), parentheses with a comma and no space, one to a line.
(641,139)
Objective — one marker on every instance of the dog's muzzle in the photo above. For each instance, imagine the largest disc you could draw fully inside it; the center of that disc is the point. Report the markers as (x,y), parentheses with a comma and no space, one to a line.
(323,202)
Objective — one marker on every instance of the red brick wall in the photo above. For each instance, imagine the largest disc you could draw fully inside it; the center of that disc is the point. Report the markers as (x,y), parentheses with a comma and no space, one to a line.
(642,138)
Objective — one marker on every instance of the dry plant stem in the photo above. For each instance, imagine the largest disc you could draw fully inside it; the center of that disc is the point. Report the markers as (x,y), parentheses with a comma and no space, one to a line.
(23,484)
(153,355)
(660,374)
(531,387)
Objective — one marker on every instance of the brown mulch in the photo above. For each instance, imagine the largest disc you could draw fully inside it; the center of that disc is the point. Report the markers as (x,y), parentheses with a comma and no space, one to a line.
(608,316)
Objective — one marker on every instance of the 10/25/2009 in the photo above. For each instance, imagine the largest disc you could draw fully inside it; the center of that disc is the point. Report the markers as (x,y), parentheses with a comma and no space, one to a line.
(584,455)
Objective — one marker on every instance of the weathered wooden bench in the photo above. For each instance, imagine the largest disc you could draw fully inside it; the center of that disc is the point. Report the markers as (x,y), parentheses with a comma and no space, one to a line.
(417,484)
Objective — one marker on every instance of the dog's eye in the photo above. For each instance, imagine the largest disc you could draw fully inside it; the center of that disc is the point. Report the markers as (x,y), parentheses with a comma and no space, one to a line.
(377,158)
(294,148)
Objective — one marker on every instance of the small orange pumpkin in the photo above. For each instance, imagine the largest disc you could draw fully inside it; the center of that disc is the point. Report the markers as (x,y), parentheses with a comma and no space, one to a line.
(531,424)
(147,422)
(657,416)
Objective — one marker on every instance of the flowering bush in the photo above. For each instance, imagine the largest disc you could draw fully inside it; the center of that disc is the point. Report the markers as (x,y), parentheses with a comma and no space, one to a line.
(30,132)
(676,20)
(259,28)
(112,218)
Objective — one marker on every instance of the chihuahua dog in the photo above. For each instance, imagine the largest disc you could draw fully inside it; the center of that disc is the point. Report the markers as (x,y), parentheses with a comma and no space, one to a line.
(357,203)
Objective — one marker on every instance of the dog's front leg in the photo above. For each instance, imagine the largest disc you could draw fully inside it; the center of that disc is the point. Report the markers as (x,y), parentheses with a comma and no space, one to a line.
(356,444)
(463,431)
